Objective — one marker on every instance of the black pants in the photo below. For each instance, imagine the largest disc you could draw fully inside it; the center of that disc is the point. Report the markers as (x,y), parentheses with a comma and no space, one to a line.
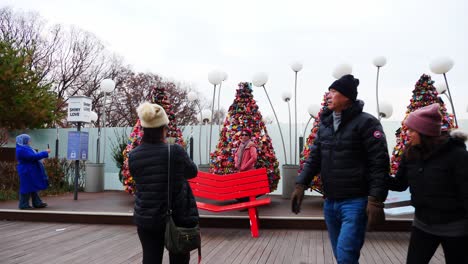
(152,241)
(423,246)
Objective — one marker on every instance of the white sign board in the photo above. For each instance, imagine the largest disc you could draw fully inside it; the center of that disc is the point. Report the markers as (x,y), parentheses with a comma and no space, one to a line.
(79,109)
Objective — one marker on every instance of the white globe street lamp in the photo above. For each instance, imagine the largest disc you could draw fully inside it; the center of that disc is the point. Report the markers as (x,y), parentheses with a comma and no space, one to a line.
(342,70)
(313,111)
(378,62)
(296,67)
(206,118)
(287,98)
(224,77)
(107,86)
(214,77)
(259,80)
(442,65)
(386,109)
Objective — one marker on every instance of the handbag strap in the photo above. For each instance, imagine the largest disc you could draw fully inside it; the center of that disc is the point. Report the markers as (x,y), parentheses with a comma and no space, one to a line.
(169,176)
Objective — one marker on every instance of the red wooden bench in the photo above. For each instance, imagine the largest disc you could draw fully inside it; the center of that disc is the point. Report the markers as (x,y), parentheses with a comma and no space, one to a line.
(231,186)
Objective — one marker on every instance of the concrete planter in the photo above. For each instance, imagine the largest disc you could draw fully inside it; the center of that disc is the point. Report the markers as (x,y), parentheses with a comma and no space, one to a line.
(204,167)
(288,177)
(94,180)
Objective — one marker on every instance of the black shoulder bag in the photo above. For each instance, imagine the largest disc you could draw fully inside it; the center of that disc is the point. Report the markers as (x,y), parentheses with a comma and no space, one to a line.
(179,240)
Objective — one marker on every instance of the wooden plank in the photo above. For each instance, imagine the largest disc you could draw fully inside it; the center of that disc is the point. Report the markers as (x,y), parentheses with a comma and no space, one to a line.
(102,244)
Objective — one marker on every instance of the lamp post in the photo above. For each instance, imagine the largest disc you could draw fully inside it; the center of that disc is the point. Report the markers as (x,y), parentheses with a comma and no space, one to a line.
(107,86)
(224,76)
(378,62)
(259,80)
(313,111)
(386,110)
(93,116)
(442,89)
(441,66)
(287,97)
(296,67)
(193,97)
(215,78)
(206,116)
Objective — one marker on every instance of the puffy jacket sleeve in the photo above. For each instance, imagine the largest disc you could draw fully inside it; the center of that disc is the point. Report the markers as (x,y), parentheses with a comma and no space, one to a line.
(375,145)
(190,169)
(312,165)
(398,183)
(253,159)
(26,154)
(461,177)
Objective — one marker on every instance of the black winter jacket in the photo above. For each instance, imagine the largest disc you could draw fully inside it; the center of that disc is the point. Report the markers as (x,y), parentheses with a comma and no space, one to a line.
(148,165)
(352,161)
(438,184)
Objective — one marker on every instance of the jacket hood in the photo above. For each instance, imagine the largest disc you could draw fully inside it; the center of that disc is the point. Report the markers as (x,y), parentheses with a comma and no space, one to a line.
(458,138)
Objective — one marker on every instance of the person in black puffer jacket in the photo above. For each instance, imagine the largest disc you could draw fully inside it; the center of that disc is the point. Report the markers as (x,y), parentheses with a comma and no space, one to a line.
(435,167)
(350,153)
(148,165)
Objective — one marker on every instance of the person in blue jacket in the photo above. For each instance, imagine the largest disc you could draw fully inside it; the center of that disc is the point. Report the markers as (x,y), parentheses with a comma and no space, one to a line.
(32,174)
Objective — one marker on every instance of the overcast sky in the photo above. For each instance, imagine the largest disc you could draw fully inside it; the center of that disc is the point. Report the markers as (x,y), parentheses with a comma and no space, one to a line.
(184,40)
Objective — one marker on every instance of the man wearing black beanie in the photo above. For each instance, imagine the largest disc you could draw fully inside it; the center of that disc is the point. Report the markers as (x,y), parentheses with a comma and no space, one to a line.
(350,153)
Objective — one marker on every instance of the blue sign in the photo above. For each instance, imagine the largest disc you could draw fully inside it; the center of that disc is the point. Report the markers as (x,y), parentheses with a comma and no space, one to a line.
(77,145)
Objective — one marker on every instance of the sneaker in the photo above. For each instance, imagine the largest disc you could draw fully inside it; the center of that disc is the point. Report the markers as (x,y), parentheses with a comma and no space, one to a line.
(41,205)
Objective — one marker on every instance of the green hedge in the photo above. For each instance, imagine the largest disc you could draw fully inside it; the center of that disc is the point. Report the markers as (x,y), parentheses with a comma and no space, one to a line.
(60,171)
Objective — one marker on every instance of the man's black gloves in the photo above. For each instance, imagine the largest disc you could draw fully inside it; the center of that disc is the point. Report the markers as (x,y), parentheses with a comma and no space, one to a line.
(297,197)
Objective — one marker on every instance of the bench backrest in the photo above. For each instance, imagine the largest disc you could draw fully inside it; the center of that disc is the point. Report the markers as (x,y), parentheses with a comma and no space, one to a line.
(230,186)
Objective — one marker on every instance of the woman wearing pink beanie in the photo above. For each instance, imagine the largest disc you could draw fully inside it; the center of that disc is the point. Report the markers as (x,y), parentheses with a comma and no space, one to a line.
(435,168)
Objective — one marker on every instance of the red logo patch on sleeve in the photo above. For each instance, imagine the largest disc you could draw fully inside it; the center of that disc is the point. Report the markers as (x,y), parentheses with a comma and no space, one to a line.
(378,134)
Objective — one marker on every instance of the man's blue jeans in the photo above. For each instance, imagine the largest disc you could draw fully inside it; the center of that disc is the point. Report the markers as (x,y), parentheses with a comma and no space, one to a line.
(346,221)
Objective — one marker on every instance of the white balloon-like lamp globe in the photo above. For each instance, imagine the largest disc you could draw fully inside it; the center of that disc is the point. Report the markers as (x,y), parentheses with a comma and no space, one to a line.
(379,61)
(215,77)
(341,70)
(260,79)
(93,116)
(206,115)
(313,110)
(107,85)
(296,66)
(441,88)
(386,109)
(224,76)
(442,65)
(192,96)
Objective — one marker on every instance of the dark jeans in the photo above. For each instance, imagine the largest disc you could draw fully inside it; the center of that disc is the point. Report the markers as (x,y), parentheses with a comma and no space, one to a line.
(24,200)
(152,241)
(346,221)
(423,246)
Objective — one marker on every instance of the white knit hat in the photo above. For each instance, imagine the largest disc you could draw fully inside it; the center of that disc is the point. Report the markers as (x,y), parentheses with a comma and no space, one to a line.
(152,115)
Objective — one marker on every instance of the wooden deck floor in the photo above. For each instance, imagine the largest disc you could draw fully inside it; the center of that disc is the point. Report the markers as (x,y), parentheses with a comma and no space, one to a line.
(33,242)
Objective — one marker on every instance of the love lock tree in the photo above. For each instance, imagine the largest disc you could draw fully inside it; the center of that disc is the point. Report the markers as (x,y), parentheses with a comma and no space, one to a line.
(244,113)
(158,95)
(424,94)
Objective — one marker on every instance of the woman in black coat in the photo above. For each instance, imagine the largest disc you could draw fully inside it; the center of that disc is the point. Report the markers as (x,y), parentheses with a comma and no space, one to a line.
(148,165)
(435,167)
